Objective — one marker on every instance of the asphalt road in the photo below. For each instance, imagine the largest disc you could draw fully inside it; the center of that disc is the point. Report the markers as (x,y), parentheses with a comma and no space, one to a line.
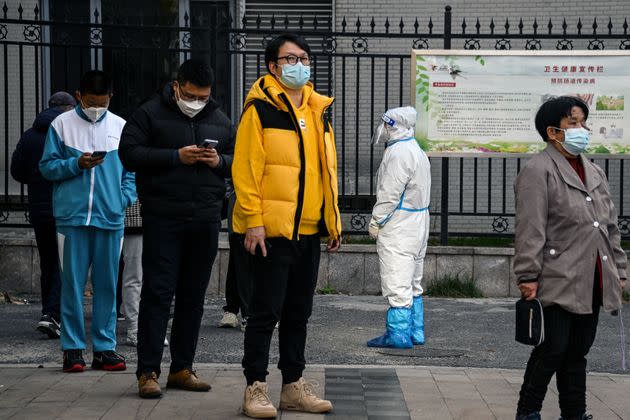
(460,332)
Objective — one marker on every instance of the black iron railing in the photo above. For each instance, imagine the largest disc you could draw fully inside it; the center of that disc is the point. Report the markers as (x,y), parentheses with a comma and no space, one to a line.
(364,63)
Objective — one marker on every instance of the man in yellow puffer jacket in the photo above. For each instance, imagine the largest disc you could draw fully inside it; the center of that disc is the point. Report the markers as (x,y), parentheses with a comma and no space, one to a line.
(285,178)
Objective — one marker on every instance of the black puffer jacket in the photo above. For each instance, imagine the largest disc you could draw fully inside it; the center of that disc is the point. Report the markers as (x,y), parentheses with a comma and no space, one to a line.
(25,166)
(166,187)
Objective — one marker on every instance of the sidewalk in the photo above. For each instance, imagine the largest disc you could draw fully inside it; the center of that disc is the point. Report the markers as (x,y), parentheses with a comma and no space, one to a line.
(358,392)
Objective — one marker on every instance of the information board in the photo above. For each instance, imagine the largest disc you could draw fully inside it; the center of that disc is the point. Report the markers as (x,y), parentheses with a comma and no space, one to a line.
(485,101)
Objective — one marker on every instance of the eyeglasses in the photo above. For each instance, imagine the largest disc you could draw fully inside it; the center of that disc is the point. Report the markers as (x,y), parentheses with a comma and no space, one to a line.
(190,97)
(292,59)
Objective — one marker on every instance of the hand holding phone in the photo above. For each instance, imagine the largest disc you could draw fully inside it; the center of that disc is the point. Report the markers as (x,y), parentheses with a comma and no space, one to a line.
(98,155)
(209,144)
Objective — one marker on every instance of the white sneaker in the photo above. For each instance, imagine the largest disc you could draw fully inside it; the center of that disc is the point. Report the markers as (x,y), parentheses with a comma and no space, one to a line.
(300,396)
(229,320)
(256,402)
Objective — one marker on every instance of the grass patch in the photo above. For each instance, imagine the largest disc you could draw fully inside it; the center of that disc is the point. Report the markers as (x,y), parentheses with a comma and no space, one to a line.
(435,241)
(475,241)
(358,239)
(453,287)
(327,290)
(625,296)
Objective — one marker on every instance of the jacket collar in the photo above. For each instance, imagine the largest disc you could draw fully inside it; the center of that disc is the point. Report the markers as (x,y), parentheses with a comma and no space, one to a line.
(569,176)
(268,89)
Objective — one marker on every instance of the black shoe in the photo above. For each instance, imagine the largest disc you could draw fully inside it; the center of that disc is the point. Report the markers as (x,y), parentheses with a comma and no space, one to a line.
(73,361)
(531,416)
(583,416)
(108,360)
(49,326)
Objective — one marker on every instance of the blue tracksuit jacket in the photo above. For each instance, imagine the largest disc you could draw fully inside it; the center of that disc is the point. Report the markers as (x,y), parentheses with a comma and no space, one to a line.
(96,197)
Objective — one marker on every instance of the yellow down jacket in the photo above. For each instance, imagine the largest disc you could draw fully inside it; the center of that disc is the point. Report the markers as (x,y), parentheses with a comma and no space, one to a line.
(269,163)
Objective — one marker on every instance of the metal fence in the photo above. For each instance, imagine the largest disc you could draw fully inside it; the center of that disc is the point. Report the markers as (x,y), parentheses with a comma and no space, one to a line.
(364,63)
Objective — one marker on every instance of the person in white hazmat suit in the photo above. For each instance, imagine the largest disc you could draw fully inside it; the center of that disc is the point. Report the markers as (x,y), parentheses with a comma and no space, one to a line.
(400,225)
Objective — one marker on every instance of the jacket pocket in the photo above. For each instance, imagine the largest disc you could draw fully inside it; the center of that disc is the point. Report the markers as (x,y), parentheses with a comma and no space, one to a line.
(556,259)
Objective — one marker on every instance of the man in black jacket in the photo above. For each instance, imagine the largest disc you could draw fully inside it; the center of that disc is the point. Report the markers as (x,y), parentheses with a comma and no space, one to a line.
(25,169)
(180,146)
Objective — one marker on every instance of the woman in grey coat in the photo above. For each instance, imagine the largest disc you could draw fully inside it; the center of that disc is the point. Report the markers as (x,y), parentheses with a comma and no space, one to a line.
(568,255)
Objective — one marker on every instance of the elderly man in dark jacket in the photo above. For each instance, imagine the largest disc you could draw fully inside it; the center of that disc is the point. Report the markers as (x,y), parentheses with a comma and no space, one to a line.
(180,145)
(25,169)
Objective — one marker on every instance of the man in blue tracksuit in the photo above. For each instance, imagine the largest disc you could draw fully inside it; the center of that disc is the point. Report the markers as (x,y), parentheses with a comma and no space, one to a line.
(90,195)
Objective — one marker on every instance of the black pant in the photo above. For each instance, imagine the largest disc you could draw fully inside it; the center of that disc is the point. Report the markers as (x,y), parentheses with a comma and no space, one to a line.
(177,258)
(50,280)
(238,279)
(568,339)
(282,291)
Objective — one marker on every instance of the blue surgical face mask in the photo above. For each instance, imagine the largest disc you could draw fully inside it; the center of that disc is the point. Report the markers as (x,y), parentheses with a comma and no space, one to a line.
(576,140)
(295,76)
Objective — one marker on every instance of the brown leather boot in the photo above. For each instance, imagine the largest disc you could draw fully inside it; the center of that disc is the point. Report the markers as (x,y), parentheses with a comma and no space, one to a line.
(186,379)
(300,396)
(256,402)
(148,386)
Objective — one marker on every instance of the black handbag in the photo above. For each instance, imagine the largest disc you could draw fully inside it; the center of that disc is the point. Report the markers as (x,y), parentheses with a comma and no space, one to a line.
(530,322)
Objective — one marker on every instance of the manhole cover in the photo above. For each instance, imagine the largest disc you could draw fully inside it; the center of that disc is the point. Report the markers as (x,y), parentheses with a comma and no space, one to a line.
(426,352)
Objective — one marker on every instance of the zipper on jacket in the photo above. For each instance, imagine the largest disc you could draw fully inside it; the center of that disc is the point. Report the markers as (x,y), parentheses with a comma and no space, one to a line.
(194,186)
(92,175)
(302,182)
(335,210)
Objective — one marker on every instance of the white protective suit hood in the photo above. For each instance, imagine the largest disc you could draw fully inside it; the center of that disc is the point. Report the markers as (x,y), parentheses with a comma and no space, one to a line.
(398,124)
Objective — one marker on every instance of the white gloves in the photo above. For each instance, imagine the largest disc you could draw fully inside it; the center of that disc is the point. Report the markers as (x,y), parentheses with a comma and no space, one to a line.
(373,229)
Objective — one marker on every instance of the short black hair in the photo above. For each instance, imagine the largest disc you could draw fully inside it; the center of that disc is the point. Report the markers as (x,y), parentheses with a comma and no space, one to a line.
(554,110)
(96,82)
(273,47)
(196,71)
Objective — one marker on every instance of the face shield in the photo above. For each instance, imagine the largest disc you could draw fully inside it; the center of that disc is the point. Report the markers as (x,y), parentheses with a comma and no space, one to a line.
(397,124)
(382,133)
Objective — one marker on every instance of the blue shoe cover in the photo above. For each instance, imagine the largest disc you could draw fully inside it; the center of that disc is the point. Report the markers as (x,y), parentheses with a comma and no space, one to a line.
(417,321)
(397,333)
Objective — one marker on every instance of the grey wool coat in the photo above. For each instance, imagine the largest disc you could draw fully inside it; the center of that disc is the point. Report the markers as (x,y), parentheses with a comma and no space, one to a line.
(561,226)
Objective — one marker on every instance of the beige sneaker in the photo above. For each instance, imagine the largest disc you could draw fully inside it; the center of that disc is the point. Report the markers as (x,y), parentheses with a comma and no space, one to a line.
(229,320)
(300,396)
(256,402)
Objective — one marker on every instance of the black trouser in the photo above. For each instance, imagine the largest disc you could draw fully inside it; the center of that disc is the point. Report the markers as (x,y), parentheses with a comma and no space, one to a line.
(177,258)
(50,280)
(282,291)
(568,339)
(238,279)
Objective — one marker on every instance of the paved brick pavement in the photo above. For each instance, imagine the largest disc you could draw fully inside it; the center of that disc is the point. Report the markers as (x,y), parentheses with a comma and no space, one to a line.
(432,393)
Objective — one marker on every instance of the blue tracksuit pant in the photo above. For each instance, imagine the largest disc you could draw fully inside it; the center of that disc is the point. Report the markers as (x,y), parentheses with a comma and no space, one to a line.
(79,248)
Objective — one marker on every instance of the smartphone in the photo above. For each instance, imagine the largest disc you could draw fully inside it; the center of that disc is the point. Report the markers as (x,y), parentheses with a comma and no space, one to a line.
(209,143)
(97,155)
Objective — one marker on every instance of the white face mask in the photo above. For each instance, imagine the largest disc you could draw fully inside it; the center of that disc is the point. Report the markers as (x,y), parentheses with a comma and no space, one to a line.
(190,108)
(94,113)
